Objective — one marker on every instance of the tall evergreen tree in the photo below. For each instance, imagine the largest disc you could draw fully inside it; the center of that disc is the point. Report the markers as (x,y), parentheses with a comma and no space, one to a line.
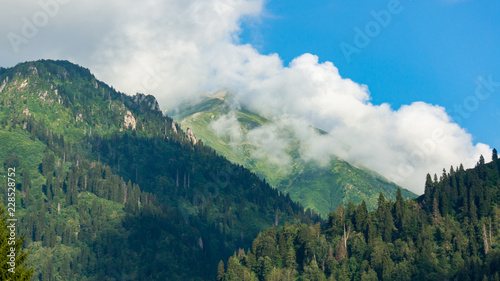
(220,271)
(399,209)
(25,188)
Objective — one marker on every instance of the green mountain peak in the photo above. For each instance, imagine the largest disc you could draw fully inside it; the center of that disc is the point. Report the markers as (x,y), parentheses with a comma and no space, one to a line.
(273,150)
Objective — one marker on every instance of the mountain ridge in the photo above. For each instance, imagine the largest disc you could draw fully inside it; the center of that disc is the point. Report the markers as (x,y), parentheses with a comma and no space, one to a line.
(299,178)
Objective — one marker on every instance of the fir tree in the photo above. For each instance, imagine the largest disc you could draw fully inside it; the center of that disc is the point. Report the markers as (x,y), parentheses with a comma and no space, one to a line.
(220,271)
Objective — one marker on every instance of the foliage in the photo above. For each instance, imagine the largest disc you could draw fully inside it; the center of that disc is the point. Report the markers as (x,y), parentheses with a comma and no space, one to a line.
(102,200)
(452,232)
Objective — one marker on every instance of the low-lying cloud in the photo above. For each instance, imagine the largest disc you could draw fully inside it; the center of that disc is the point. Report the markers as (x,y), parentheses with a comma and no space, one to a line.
(178,49)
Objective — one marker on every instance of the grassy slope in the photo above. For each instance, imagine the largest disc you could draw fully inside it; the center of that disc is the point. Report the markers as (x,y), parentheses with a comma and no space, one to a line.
(315,187)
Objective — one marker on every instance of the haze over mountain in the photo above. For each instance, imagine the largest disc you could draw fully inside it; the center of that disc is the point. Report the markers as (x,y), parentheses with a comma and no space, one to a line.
(178,50)
(284,152)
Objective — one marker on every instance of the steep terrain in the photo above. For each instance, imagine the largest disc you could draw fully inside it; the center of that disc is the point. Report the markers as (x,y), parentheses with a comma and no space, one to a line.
(319,187)
(110,189)
(452,232)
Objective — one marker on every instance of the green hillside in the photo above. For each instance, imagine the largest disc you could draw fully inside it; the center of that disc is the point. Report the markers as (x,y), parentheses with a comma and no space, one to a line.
(321,188)
(110,189)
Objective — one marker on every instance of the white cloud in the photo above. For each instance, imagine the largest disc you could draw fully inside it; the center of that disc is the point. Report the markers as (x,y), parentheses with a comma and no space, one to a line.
(228,127)
(177,49)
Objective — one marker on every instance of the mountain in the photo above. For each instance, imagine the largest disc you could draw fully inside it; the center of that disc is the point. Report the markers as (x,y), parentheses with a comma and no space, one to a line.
(452,232)
(320,187)
(108,188)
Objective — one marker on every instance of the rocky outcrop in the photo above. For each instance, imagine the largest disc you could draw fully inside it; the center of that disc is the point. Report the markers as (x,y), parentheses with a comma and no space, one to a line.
(26,111)
(190,135)
(149,100)
(129,120)
(33,70)
(4,83)
(43,95)
(79,118)
(23,85)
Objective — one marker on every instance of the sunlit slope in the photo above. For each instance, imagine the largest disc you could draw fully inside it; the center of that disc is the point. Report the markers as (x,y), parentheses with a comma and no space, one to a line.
(319,187)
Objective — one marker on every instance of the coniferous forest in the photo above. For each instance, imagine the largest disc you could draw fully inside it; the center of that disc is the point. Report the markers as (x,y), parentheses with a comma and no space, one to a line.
(109,188)
(452,232)
(98,200)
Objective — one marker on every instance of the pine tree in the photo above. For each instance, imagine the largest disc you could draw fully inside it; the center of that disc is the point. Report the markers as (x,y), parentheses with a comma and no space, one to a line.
(25,188)
(220,271)
(387,225)
(56,187)
(48,270)
(12,161)
(399,209)
(481,160)
(361,217)
(495,155)
(48,188)
(48,163)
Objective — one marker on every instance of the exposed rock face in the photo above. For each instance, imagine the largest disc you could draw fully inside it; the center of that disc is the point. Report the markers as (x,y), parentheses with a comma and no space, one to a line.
(129,120)
(174,127)
(149,100)
(79,118)
(4,84)
(63,75)
(33,70)
(26,111)
(23,85)
(190,135)
(43,95)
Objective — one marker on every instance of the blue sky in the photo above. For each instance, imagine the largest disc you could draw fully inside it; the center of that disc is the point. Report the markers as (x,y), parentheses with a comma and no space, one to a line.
(431,51)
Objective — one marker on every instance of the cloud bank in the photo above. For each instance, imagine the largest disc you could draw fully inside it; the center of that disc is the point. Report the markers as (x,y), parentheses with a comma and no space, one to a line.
(178,49)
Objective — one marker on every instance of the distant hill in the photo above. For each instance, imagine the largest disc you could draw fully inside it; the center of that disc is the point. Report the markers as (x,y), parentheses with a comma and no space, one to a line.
(318,187)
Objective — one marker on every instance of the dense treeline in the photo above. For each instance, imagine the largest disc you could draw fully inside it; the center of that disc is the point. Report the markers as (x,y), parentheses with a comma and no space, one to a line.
(107,200)
(452,232)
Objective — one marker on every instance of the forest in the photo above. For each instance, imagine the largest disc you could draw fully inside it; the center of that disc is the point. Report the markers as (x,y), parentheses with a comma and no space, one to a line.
(97,200)
(101,197)
(452,232)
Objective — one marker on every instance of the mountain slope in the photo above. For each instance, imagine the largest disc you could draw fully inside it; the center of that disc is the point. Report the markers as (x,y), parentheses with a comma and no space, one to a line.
(110,189)
(452,232)
(319,187)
